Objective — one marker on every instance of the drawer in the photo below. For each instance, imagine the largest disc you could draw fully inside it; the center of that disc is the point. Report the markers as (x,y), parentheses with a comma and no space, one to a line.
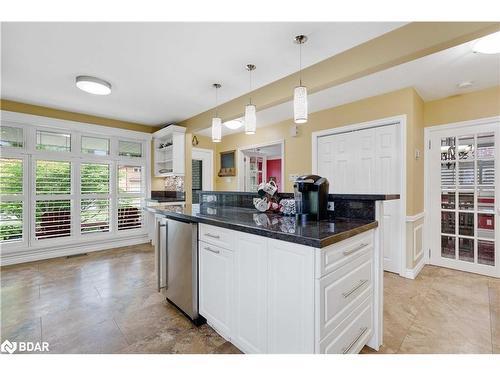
(352,333)
(335,256)
(339,292)
(217,236)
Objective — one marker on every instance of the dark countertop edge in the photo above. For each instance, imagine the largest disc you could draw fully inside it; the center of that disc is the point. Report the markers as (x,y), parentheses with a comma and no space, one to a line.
(317,243)
(366,197)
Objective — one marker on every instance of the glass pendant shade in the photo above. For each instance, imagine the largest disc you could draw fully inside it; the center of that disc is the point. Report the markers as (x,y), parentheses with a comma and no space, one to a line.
(216,129)
(250,119)
(300,105)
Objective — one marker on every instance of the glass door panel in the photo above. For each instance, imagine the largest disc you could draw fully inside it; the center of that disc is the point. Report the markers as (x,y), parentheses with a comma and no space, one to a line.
(467,178)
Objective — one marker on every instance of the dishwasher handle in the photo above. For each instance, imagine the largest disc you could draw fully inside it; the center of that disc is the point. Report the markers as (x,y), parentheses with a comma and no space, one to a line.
(159,244)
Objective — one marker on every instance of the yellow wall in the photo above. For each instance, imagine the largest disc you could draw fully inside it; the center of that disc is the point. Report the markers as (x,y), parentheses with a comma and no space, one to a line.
(9,105)
(298,149)
(478,104)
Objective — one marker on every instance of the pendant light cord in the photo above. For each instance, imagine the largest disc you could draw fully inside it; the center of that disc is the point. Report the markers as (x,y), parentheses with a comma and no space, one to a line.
(250,101)
(300,64)
(216,100)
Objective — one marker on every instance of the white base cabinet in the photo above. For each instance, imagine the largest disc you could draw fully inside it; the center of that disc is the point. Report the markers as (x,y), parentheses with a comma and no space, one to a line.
(271,296)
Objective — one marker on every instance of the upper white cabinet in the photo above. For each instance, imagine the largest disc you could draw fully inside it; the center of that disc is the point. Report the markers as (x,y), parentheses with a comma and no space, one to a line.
(169,149)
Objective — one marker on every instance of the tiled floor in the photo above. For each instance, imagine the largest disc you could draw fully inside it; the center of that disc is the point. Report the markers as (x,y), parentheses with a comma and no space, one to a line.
(106,302)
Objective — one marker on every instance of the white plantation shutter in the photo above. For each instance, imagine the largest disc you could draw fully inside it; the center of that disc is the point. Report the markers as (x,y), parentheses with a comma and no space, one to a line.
(130,192)
(52,218)
(95,198)
(11,200)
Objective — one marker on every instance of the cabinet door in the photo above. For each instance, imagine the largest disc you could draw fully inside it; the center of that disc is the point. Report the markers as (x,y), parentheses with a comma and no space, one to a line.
(216,281)
(290,298)
(250,297)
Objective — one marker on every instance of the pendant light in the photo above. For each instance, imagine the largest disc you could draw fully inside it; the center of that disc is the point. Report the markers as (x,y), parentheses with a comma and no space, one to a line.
(216,120)
(300,92)
(250,110)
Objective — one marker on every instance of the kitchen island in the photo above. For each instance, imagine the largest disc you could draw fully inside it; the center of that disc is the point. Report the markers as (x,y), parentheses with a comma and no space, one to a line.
(271,284)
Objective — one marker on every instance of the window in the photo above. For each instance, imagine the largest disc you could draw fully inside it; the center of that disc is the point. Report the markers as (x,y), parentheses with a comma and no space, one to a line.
(51,141)
(130,186)
(11,137)
(53,177)
(11,200)
(95,198)
(96,146)
(52,206)
(131,149)
(129,179)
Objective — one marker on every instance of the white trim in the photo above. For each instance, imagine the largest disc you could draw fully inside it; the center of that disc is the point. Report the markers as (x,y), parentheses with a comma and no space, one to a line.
(421,251)
(411,219)
(210,153)
(31,255)
(412,273)
(241,176)
(401,121)
(24,119)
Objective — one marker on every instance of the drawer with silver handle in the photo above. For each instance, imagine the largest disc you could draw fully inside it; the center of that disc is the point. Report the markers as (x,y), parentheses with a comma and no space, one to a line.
(352,333)
(217,236)
(337,255)
(341,291)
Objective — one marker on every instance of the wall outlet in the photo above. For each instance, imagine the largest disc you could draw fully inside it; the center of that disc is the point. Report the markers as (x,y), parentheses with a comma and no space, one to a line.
(293,177)
(331,206)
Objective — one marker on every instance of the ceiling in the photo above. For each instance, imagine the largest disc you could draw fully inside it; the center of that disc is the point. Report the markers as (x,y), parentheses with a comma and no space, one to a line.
(161,72)
(434,76)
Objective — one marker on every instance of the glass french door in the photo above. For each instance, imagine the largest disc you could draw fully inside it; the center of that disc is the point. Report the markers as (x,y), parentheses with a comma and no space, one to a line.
(464,198)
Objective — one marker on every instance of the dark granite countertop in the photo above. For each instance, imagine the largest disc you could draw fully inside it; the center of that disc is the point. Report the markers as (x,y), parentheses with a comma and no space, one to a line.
(285,228)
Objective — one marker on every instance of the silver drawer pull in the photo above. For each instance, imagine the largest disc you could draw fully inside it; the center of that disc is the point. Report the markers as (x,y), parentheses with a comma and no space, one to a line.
(212,250)
(212,235)
(350,251)
(347,350)
(361,283)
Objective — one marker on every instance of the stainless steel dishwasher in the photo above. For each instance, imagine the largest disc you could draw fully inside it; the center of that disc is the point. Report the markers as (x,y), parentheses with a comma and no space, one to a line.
(178,243)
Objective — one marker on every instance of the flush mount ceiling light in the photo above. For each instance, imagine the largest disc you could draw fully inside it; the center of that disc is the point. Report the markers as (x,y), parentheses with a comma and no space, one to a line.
(300,92)
(464,84)
(216,120)
(250,110)
(233,124)
(93,85)
(488,44)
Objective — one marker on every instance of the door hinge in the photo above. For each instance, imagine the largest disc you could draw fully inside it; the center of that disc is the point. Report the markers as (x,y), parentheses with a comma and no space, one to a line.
(429,253)
(429,144)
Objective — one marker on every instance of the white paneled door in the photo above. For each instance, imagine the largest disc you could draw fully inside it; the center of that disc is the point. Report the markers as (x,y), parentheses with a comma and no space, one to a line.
(463,198)
(368,161)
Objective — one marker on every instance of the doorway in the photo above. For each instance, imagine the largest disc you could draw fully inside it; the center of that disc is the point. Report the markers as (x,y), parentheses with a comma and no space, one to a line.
(202,171)
(261,163)
(462,195)
(369,158)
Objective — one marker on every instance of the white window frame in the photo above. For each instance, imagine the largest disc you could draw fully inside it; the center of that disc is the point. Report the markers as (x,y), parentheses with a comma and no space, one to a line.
(29,154)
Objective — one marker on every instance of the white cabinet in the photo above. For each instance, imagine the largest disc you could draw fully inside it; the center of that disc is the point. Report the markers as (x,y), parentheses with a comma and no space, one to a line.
(272,296)
(290,312)
(169,150)
(250,293)
(216,287)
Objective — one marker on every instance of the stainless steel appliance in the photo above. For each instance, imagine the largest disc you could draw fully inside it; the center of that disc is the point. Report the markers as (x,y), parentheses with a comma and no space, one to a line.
(311,197)
(177,267)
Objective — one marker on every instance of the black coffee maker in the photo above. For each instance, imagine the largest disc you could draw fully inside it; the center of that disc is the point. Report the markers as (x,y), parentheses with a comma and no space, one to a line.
(311,197)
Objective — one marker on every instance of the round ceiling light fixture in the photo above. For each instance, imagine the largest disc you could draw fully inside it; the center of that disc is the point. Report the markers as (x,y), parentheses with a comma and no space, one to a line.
(489,44)
(233,124)
(93,85)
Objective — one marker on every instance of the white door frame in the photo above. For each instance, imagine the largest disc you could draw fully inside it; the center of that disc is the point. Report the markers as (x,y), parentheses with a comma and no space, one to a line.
(427,191)
(398,120)
(206,155)
(241,164)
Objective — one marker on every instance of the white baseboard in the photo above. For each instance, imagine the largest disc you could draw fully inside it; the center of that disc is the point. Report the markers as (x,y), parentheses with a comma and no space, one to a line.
(32,255)
(412,273)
